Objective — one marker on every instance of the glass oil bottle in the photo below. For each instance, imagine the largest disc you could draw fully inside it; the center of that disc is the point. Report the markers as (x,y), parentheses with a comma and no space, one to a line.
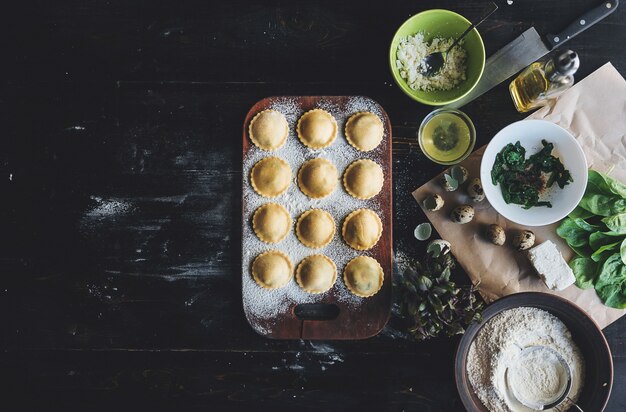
(544,80)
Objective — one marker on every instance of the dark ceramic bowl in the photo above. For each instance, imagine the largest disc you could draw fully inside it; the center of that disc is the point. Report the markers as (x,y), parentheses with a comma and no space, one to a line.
(586,334)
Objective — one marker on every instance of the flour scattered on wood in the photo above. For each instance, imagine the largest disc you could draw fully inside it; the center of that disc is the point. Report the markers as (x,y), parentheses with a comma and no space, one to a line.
(108,207)
(262,305)
(498,345)
(312,354)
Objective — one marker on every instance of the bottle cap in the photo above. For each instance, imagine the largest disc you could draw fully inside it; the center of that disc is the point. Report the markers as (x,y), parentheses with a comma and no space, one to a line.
(567,62)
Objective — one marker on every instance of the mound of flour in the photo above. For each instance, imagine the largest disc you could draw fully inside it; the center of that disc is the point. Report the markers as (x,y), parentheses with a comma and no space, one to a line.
(498,344)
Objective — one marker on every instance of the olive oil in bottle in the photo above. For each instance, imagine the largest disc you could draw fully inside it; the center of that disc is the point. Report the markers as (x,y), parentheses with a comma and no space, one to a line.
(543,80)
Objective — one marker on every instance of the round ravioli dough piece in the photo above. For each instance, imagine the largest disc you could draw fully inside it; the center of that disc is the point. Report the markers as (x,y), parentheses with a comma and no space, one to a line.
(317,178)
(270,177)
(317,129)
(364,131)
(272,269)
(268,130)
(271,223)
(316,274)
(315,228)
(363,276)
(363,179)
(362,229)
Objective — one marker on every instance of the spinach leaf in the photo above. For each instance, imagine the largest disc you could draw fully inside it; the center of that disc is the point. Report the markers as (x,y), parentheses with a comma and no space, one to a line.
(616,223)
(585,271)
(514,156)
(604,252)
(596,231)
(612,296)
(582,223)
(611,282)
(521,179)
(579,212)
(598,239)
(543,161)
(606,184)
(602,205)
(576,237)
(511,158)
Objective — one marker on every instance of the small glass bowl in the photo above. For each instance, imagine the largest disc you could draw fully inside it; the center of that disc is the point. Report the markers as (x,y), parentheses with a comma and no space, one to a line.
(466,120)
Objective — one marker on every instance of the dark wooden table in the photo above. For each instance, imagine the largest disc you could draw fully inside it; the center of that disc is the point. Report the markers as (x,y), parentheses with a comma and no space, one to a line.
(120,171)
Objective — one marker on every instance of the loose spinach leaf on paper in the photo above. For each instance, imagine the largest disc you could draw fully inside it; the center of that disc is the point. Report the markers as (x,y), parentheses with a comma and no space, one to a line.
(603,252)
(598,239)
(585,271)
(596,231)
(616,223)
(587,227)
(576,237)
(611,282)
(606,184)
(600,202)
(581,213)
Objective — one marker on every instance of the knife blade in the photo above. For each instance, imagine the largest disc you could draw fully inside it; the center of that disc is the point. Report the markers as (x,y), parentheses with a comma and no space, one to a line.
(528,48)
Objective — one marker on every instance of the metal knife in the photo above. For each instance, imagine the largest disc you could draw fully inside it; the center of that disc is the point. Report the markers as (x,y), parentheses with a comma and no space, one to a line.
(528,48)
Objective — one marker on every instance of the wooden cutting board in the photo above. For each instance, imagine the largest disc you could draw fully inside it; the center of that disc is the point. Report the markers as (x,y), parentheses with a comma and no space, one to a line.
(290,312)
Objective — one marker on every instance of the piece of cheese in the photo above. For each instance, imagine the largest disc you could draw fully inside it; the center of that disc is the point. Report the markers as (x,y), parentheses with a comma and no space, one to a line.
(550,265)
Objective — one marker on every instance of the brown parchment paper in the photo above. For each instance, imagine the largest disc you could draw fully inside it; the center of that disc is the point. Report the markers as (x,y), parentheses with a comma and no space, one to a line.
(594,111)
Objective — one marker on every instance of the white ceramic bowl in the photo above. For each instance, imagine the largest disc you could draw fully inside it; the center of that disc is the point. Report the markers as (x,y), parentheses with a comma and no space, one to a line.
(530,133)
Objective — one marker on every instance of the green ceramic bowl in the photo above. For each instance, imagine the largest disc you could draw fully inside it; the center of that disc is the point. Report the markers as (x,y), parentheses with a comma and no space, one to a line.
(441,23)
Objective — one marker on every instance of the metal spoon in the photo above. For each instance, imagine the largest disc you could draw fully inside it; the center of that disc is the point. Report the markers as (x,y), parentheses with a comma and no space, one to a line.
(433,63)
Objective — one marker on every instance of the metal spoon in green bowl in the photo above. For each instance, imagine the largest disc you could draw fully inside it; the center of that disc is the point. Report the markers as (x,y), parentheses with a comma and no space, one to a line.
(433,63)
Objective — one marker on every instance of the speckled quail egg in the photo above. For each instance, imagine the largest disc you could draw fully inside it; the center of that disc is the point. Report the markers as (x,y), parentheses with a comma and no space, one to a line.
(463,214)
(444,245)
(433,202)
(446,184)
(465,174)
(496,235)
(475,190)
(524,240)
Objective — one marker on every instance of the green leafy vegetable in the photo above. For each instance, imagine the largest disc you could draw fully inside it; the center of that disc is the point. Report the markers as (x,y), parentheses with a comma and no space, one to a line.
(602,205)
(585,271)
(522,180)
(581,213)
(599,239)
(587,227)
(617,223)
(611,282)
(596,231)
(606,184)
(433,305)
(576,237)
(604,252)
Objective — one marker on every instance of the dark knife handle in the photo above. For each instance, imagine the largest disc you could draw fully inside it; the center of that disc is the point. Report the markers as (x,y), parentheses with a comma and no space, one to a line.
(582,23)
